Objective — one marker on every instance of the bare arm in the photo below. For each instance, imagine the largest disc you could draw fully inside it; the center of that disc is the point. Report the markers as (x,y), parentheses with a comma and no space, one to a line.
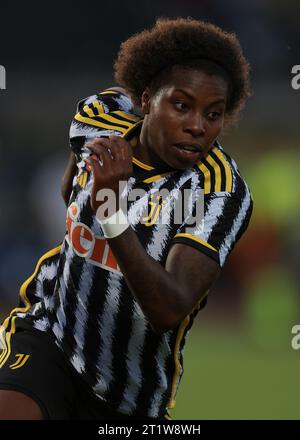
(67,179)
(165,294)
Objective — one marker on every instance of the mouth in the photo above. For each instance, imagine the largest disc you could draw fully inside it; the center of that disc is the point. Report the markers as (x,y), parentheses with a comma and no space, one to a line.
(188,152)
(189,147)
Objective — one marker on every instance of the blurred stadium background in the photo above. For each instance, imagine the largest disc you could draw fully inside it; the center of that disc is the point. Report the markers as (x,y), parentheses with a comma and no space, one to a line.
(239,363)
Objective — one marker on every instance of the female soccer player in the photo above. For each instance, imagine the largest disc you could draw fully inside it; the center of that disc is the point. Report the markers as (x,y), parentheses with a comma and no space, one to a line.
(155,206)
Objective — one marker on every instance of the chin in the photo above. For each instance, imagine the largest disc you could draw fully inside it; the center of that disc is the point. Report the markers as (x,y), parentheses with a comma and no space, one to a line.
(181,165)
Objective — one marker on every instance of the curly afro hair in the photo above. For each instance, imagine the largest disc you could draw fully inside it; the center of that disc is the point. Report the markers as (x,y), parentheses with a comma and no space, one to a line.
(145,58)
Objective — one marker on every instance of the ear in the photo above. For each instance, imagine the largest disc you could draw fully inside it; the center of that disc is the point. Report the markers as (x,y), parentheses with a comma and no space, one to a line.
(145,100)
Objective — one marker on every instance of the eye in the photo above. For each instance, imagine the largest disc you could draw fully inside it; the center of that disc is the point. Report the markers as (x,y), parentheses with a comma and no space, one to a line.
(180,105)
(213,116)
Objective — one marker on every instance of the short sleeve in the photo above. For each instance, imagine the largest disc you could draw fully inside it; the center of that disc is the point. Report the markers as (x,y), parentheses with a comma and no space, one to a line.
(101,115)
(226,217)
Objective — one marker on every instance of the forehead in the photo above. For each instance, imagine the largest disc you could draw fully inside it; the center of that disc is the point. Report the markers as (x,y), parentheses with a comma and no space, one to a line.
(195,82)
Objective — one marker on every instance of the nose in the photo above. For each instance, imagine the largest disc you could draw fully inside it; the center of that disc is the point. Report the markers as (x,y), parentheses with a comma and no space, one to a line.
(195,125)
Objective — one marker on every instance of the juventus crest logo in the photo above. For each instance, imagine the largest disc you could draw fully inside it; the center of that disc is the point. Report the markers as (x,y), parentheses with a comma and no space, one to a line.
(21,360)
(156,203)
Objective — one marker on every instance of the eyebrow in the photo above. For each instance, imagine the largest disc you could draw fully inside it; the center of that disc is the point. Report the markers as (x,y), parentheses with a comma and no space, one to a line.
(218,101)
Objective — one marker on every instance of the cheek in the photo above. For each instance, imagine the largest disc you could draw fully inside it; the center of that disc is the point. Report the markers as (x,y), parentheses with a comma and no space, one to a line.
(215,129)
(160,131)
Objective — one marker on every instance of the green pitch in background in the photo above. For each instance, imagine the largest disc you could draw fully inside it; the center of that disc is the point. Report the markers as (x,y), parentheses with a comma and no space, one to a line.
(251,373)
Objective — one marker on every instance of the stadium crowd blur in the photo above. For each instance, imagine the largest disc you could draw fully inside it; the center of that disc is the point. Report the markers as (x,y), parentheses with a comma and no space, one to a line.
(56,54)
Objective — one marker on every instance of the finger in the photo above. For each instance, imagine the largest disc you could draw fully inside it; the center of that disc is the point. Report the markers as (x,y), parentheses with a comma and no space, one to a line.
(97,145)
(124,147)
(88,163)
(101,153)
(106,159)
(97,168)
(98,140)
(125,156)
(127,152)
(100,149)
(114,148)
(111,144)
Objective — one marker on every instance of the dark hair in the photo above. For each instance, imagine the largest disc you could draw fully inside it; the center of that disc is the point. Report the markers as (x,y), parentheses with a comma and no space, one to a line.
(145,59)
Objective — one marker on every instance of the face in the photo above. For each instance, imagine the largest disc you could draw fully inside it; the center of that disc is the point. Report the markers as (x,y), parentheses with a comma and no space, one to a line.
(183,118)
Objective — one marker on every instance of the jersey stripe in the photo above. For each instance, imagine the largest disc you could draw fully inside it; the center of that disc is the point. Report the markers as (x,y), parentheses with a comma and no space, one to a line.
(115,119)
(217,172)
(88,110)
(239,223)
(228,171)
(207,177)
(126,116)
(99,123)
(220,165)
(98,107)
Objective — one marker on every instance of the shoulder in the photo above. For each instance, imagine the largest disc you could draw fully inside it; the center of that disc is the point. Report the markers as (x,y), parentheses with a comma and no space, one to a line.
(106,101)
(220,174)
(110,111)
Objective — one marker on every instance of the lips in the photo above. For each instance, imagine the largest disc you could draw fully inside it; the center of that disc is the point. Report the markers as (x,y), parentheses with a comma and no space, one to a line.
(187,152)
(189,147)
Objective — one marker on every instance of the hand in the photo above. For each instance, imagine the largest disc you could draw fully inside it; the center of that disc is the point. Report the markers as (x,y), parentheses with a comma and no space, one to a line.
(111,163)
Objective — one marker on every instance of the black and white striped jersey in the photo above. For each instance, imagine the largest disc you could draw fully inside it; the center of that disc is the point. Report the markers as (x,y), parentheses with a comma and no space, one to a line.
(78,293)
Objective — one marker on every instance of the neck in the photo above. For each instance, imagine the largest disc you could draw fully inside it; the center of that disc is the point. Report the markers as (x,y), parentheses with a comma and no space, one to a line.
(144,153)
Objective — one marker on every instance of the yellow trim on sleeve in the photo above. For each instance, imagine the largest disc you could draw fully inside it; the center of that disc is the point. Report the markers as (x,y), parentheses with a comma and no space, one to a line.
(199,240)
(207,178)
(125,115)
(90,121)
(228,171)
(217,169)
(99,107)
(89,111)
(110,118)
